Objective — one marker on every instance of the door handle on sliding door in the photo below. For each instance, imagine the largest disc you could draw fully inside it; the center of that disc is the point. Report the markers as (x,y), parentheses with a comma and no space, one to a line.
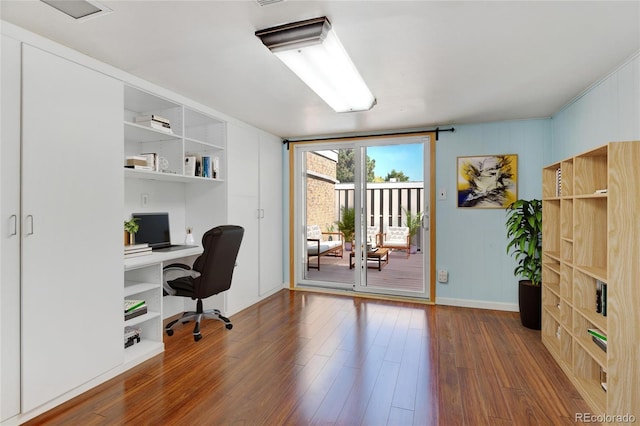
(14,218)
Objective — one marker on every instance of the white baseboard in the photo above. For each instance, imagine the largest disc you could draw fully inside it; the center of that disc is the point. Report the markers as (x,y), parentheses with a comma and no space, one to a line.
(480,304)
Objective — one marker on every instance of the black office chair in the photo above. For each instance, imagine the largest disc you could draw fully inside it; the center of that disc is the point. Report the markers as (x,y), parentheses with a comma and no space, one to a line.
(214,269)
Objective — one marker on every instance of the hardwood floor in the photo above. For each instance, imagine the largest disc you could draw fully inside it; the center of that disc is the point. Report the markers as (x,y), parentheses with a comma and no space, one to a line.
(300,358)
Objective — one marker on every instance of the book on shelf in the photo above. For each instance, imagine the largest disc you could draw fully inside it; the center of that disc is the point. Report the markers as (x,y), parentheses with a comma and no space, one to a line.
(152,160)
(138,250)
(602,344)
(138,253)
(132,304)
(133,248)
(131,336)
(136,246)
(598,333)
(148,168)
(135,313)
(152,117)
(215,167)
(601,191)
(207,169)
(135,160)
(156,125)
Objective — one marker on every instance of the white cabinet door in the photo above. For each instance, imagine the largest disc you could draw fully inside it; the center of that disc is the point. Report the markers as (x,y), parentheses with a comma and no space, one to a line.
(243,165)
(271,227)
(10,231)
(72,194)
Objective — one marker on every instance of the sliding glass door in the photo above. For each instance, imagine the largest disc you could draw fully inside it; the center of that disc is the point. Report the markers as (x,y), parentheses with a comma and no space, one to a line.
(361,211)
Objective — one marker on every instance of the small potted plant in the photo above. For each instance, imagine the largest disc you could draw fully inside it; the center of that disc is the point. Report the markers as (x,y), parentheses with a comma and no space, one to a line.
(413,222)
(524,231)
(130,228)
(347,225)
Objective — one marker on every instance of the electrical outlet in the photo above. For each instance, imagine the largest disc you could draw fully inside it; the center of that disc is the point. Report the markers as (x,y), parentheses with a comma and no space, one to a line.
(443,276)
(144,200)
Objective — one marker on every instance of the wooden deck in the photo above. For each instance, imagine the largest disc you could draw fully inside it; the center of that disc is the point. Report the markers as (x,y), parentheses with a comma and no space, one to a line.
(399,274)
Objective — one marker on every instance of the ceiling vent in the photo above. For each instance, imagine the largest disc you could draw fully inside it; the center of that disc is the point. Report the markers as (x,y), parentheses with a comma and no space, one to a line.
(80,10)
(267,2)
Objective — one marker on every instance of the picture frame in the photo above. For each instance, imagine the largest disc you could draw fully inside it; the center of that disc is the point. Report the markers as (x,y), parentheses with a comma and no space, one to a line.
(487,181)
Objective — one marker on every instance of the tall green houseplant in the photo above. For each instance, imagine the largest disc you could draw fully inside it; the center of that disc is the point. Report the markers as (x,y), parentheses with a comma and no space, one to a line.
(524,232)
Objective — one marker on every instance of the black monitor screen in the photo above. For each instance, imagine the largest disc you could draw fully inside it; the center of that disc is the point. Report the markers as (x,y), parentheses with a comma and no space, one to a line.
(153,229)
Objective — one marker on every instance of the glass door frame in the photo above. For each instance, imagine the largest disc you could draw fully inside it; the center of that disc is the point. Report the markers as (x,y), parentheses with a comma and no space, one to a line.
(297,231)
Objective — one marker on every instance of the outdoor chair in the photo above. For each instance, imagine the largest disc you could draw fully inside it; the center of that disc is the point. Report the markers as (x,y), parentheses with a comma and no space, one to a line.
(397,237)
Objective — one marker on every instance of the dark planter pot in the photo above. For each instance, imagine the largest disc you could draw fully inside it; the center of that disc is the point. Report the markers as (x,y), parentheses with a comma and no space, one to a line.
(530,300)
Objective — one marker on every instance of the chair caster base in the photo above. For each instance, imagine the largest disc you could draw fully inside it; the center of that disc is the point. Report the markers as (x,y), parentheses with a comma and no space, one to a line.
(229,326)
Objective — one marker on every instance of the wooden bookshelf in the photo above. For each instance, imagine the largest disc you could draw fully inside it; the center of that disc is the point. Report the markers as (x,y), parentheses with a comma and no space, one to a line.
(592,235)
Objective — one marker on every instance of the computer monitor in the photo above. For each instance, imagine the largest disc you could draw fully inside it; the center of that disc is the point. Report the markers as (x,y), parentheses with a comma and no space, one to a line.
(153,229)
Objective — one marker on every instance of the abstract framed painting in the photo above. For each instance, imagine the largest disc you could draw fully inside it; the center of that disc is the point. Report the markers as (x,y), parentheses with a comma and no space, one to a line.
(488,181)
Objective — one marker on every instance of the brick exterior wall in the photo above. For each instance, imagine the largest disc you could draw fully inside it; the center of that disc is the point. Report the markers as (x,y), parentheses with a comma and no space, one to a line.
(321,194)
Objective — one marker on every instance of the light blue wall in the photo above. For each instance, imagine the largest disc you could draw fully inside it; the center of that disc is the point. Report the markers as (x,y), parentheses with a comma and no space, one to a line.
(470,243)
(608,112)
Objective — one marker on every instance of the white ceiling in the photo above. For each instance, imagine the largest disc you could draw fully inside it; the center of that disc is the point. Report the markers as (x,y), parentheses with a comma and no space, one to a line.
(428,63)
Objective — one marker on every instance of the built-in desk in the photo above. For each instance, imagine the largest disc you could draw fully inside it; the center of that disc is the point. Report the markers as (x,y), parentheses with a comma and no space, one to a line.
(160,257)
(143,281)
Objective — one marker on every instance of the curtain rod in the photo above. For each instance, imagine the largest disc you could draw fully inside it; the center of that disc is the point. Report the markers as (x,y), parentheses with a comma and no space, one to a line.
(437,131)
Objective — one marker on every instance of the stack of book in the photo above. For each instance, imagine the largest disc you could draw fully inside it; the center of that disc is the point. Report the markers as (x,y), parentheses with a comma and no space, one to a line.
(137,162)
(155,122)
(133,250)
(131,336)
(134,308)
(599,338)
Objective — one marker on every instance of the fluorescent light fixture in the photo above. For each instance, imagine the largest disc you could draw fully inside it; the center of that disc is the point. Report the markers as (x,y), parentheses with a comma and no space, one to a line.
(79,9)
(312,50)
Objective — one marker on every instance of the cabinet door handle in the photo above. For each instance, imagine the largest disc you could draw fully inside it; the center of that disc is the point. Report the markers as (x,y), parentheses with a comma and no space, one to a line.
(261,213)
(30,222)
(14,218)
